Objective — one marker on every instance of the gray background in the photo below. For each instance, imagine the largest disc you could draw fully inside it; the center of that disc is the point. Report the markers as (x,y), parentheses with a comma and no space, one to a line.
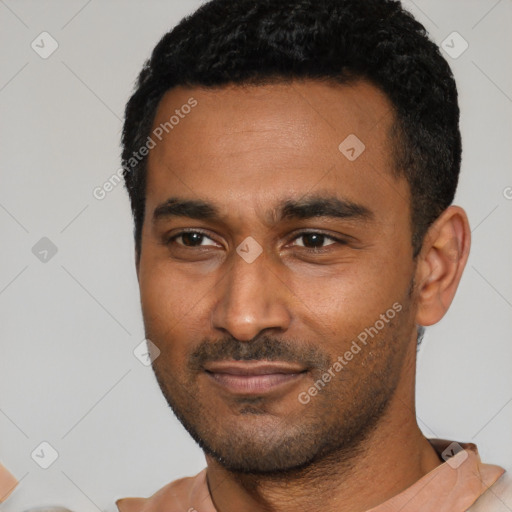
(70,323)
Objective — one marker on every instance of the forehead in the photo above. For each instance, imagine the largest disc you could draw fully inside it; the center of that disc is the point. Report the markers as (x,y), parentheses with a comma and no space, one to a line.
(243,145)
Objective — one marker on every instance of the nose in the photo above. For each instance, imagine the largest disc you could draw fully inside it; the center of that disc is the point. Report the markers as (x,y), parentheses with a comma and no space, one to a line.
(252,298)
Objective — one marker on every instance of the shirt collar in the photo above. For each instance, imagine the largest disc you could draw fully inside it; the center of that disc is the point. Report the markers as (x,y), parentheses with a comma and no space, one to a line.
(7,483)
(453,486)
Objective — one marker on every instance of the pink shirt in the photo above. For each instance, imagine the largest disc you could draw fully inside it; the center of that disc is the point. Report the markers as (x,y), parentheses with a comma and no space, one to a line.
(462,483)
(7,483)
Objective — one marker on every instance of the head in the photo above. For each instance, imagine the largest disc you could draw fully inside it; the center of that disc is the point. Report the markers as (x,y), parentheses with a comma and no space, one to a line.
(291,166)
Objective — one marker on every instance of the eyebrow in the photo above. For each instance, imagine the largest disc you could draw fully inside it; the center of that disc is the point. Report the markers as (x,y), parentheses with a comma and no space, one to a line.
(304,208)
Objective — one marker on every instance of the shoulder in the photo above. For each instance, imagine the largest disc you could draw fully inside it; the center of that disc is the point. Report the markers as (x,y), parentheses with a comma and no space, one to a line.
(173,497)
(497,498)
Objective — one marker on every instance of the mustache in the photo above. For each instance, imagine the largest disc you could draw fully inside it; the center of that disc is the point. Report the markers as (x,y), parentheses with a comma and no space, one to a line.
(261,348)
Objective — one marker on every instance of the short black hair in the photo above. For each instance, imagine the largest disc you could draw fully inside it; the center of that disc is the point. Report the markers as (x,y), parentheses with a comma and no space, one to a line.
(254,42)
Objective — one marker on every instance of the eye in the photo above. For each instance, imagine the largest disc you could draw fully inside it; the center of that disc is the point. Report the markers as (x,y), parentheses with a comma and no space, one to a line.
(191,239)
(315,240)
(309,240)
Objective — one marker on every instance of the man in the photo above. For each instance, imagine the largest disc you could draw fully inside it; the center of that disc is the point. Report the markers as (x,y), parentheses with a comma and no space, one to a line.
(291,166)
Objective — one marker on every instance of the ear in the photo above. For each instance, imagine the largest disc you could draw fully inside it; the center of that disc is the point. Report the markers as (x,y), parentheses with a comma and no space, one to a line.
(442,259)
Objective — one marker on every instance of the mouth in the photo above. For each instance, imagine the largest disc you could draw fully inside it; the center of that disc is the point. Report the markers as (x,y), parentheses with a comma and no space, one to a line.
(253,377)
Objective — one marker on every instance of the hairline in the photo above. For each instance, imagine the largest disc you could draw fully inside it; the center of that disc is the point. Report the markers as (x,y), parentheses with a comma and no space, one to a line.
(396,132)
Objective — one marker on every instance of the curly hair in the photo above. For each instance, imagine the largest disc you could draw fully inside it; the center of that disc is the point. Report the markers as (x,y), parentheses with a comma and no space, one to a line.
(263,41)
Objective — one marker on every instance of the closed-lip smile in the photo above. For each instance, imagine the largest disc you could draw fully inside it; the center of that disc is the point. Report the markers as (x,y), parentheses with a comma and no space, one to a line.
(253,377)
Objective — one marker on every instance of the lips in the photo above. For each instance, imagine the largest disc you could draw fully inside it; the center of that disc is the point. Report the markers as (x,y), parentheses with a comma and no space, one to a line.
(253,377)
(252,368)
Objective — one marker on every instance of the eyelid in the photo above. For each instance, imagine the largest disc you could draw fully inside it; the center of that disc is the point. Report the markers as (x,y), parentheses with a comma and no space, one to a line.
(295,236)
(299,234)
(172,238)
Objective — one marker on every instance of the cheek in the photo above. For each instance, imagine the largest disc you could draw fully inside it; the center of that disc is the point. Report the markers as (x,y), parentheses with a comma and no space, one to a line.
(165,295)
(173,309)
(341,305)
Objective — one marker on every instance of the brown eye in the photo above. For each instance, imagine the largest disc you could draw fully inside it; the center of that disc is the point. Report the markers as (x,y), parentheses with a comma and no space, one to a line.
(314,240)
(191,239)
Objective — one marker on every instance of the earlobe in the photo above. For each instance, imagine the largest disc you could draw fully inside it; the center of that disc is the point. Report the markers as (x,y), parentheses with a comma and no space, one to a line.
(440,265)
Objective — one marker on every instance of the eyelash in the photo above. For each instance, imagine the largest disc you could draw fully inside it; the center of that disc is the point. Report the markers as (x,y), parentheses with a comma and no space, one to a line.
(299,235)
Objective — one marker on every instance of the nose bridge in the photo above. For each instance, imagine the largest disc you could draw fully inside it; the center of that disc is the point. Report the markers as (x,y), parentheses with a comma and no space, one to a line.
(251,299)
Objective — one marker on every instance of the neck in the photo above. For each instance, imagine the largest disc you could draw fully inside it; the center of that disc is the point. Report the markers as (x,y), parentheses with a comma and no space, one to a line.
(393,457)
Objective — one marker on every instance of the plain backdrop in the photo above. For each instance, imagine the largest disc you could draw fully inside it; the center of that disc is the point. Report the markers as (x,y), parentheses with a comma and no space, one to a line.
(69,307)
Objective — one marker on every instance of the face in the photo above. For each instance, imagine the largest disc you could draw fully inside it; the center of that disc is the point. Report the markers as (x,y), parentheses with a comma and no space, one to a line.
(276,269)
